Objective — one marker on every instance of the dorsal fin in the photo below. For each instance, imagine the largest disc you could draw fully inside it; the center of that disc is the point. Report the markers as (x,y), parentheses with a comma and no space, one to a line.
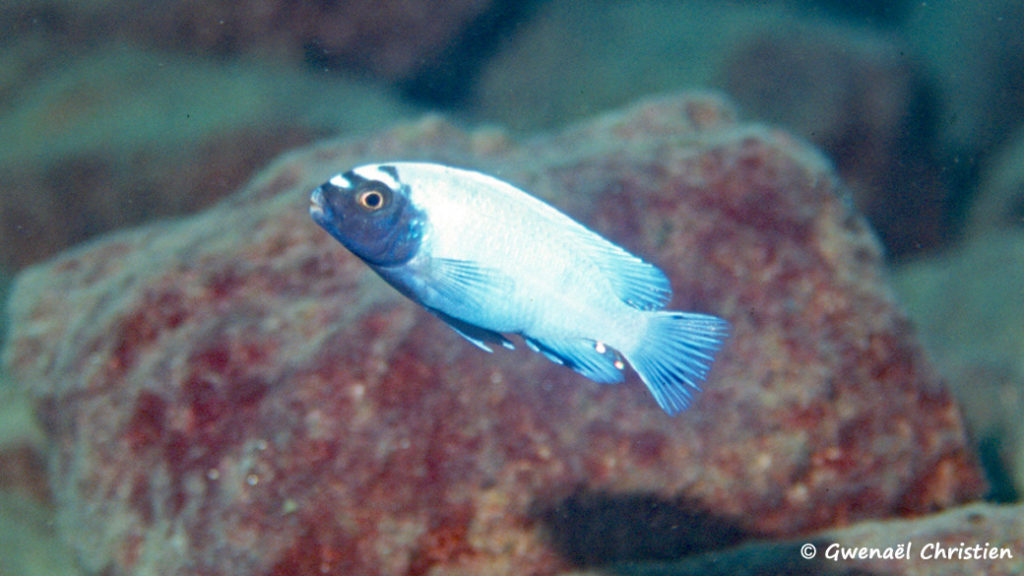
(635,282)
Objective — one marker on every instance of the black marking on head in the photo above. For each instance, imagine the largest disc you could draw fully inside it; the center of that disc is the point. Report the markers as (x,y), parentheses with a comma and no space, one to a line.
(353,178)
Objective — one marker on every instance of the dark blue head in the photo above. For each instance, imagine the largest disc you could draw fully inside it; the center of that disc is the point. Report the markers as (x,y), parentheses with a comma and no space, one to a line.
(368,210)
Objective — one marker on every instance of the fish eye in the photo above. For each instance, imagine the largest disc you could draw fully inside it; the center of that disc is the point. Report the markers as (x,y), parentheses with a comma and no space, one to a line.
(374,198)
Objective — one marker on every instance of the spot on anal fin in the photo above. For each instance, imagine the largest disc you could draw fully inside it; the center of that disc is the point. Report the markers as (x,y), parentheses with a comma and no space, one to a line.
(593,359)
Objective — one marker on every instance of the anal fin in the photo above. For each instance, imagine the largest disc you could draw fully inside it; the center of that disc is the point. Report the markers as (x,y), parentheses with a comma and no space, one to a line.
(480,337)
(592,359)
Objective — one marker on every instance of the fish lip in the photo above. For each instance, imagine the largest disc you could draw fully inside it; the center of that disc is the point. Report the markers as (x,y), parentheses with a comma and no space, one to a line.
(316,203)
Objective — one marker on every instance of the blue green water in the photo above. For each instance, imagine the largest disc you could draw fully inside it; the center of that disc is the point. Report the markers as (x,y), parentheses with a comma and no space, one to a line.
(108,123)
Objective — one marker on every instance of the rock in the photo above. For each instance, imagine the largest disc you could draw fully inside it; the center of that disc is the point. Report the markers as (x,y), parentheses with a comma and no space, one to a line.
(976,336)
(938,545)
(888,13)
(22,446)
(235,393)
(852,92)
(573,60)
(857,96)
(999,206)
(29,545)
(385,39)
(975,539)
(976,53)
(116,136)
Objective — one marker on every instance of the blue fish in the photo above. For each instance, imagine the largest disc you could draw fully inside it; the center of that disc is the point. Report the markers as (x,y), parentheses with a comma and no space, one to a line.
(490,259)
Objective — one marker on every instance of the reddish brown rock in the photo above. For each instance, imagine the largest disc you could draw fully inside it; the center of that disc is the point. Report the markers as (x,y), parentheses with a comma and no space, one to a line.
(234,393)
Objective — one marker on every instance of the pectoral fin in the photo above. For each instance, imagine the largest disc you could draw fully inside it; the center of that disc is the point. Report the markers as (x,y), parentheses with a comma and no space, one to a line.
(462,283)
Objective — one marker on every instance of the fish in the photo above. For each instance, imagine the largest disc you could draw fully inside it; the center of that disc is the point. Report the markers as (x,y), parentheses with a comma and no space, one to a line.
(493,261)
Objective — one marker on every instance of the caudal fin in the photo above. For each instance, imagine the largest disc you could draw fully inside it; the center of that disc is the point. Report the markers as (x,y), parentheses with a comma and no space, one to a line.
(675,355)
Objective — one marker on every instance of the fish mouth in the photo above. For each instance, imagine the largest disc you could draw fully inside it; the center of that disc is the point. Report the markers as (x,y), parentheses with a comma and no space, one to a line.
(316,204)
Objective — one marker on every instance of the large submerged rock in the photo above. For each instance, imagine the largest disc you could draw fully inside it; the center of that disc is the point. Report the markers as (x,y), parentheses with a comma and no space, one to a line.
(234,393)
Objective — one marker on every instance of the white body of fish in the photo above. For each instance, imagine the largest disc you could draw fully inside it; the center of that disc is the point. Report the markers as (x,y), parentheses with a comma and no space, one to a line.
(493,259)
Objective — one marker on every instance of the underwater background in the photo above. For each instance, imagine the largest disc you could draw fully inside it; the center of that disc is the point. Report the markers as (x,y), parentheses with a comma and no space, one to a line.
(883,141)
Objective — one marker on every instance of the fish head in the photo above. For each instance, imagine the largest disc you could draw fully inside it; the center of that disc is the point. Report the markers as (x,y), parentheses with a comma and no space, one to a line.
(368,210)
